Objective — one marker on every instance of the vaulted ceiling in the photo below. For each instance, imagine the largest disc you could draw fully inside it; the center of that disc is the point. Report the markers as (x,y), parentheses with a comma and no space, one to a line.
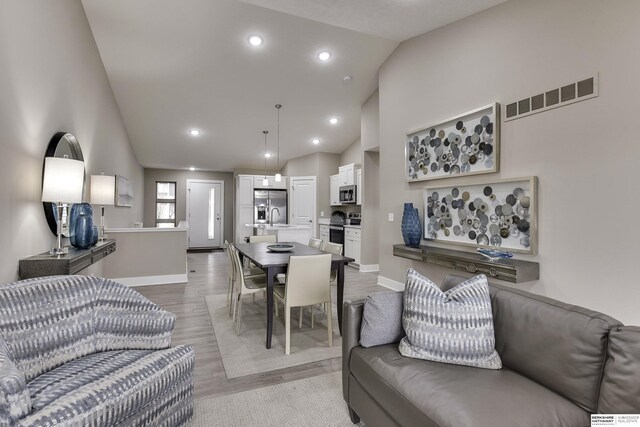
(181,65)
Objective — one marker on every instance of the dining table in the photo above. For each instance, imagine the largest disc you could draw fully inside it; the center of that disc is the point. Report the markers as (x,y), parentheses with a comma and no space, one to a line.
(274,263)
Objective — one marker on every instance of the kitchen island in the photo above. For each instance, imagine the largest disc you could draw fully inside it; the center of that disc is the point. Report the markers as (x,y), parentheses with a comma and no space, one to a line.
(284,232)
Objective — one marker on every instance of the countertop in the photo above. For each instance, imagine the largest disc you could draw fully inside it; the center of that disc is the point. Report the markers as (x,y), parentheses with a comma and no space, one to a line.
(277,227)
(353,226)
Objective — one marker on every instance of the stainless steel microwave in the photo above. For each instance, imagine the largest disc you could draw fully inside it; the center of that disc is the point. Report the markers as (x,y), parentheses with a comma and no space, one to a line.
(348,194)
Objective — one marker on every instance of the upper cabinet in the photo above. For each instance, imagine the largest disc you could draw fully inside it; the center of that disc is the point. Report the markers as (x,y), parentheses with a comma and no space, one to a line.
(347,174)
(258,182)
(359,189)
(334,190)
(244,190)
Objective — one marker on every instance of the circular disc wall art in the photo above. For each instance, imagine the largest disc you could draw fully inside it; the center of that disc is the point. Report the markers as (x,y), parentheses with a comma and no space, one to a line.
(465,145)
(499,215)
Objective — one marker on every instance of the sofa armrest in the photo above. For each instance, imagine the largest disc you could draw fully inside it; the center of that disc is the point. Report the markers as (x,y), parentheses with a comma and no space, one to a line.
(351,323)
(15,401)
(125,320)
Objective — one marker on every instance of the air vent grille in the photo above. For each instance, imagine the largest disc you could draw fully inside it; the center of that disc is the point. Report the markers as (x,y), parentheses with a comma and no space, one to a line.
(564,95)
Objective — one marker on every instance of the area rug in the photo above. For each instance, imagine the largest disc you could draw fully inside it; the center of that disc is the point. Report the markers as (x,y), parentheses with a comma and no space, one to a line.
(309,402)
(246,354)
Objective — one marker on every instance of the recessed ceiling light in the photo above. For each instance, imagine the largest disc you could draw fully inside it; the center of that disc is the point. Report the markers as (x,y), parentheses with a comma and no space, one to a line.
(315,141)
(267,155)
(194,132)
(255,41)
(192,168)
(334,120)
(325,55)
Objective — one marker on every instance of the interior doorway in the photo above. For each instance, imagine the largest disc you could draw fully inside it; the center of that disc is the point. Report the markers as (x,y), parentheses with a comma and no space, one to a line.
(205,213)
(302,196)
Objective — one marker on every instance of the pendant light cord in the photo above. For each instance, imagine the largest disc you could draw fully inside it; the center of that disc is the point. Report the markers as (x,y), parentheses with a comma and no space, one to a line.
(265,152)
(278,106)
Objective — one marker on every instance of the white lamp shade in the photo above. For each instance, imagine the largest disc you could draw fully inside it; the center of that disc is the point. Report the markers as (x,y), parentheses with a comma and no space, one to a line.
(103,189)
(63,180)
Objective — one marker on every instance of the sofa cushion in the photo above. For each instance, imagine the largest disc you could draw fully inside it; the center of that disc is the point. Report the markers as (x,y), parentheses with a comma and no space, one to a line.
(560,346)
(620,392)
(382,319)
(419,392)
(108,386)
(450,327)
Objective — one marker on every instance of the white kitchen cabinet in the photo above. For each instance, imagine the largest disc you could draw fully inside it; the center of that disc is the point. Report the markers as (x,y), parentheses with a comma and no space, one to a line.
(244,190)
(258,182)
(334,190)
(324,232)
(244,215)
(359,187)
(347,174)
(352,243)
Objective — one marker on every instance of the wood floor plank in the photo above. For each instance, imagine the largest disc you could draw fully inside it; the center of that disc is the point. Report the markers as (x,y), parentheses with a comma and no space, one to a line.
(208,275)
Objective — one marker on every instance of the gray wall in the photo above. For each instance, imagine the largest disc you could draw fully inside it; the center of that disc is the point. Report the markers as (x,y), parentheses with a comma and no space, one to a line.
(584,154)
(370,208)
(352,154)
(180,177)
(370,122)
(53,80)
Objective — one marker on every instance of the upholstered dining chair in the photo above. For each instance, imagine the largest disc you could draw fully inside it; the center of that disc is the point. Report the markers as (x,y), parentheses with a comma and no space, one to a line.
(233,274)
(307,283)
(244,285)
(267,238)
(315,243)
(336,249)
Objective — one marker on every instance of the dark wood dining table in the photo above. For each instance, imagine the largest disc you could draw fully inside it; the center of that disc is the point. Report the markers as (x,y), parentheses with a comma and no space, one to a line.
(274,263)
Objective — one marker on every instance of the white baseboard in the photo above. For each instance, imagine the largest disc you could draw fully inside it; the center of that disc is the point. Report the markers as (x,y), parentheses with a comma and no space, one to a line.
(369,268)
(391,284)
(166,279)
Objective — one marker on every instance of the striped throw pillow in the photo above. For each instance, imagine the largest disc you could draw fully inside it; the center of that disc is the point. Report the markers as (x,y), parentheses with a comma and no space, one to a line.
(450,327)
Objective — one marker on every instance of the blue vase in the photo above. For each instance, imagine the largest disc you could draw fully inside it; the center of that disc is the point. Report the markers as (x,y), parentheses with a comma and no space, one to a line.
(411,226)
(96,234)
(74,212)
(83,231)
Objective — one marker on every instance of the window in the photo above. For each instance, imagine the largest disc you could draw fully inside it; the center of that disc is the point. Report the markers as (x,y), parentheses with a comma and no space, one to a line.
(212,211)
(165,204)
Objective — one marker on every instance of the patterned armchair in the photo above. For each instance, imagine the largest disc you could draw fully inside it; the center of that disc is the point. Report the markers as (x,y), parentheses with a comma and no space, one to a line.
(78,350)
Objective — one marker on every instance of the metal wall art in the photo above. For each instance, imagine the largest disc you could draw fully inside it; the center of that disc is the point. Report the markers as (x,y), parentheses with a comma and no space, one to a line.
(464,145)
(500,215)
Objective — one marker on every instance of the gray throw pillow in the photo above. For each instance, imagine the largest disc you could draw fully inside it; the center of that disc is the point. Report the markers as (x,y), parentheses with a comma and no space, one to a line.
(382,319)
(449,327)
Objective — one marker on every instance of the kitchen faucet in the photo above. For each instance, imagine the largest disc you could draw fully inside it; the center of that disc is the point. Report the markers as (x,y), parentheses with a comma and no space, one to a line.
(271,215)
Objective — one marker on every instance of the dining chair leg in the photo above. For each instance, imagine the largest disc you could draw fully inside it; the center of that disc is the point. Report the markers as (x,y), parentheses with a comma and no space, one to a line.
(275,303)
(253,297)
(231,299)
(311,317)
(239,317)
(235,305)
(287,327)
(330,328)
(300,321)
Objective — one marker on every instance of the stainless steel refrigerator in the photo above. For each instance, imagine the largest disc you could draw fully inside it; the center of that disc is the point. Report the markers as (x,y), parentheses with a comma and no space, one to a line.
(270,206)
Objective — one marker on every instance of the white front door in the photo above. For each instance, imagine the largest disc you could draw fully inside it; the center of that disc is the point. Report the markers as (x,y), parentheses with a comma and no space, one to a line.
(303,202)
(204,213)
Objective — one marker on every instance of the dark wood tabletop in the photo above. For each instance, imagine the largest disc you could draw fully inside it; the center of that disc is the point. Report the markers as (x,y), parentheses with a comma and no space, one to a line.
(273,263)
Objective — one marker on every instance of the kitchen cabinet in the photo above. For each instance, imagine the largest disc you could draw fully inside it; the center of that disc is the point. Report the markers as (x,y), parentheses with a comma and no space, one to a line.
(324,233)
(352,243)
(258,182)
(245,184)
(334,190)
(347,174)
(359,188)
(244,190)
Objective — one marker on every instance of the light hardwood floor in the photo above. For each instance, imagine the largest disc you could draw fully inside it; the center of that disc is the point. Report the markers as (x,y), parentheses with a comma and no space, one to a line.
(208,273)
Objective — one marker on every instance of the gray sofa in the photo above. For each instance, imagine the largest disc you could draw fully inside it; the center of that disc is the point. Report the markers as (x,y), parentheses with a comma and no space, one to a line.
(560,364)
(85,351)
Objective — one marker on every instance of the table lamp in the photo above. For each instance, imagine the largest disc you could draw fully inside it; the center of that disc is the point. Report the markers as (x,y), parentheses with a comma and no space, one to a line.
(63,183)
(103,189)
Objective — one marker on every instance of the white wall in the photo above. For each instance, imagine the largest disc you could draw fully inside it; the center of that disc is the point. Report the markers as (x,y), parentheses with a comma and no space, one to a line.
(52,79)
(585,154)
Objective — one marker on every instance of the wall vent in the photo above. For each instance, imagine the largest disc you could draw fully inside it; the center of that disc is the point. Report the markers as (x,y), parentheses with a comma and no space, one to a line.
(543,101)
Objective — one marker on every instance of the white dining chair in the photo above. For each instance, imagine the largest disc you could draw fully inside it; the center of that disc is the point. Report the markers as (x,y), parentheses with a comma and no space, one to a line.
(336,249)
(307,284)
(244,285)
(267,238)
(315,243)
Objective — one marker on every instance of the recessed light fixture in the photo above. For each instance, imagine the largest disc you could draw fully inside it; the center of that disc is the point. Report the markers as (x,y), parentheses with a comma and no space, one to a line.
(315,141)
(255,41)
(267,155)
(324,55)
(334,120)
(194,132)
(192,168)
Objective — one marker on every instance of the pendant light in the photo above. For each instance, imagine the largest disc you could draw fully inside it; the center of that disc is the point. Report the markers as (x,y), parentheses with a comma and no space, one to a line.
(278,175)
(265,181)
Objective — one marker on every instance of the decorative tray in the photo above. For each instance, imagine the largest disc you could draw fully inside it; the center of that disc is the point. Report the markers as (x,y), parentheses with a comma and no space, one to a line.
(284,247)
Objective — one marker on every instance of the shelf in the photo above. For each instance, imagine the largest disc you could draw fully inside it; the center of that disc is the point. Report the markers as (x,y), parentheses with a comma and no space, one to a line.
(509,270)
(76,260)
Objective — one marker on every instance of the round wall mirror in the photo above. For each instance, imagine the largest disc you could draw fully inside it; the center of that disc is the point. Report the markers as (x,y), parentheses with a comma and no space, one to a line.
(63,145)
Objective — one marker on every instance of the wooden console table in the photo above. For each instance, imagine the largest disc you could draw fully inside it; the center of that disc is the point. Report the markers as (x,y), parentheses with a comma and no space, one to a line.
(71,263)
(509,270)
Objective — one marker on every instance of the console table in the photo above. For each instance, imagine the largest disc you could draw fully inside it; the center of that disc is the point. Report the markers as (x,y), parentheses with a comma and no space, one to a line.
(509,270)
(70,263)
